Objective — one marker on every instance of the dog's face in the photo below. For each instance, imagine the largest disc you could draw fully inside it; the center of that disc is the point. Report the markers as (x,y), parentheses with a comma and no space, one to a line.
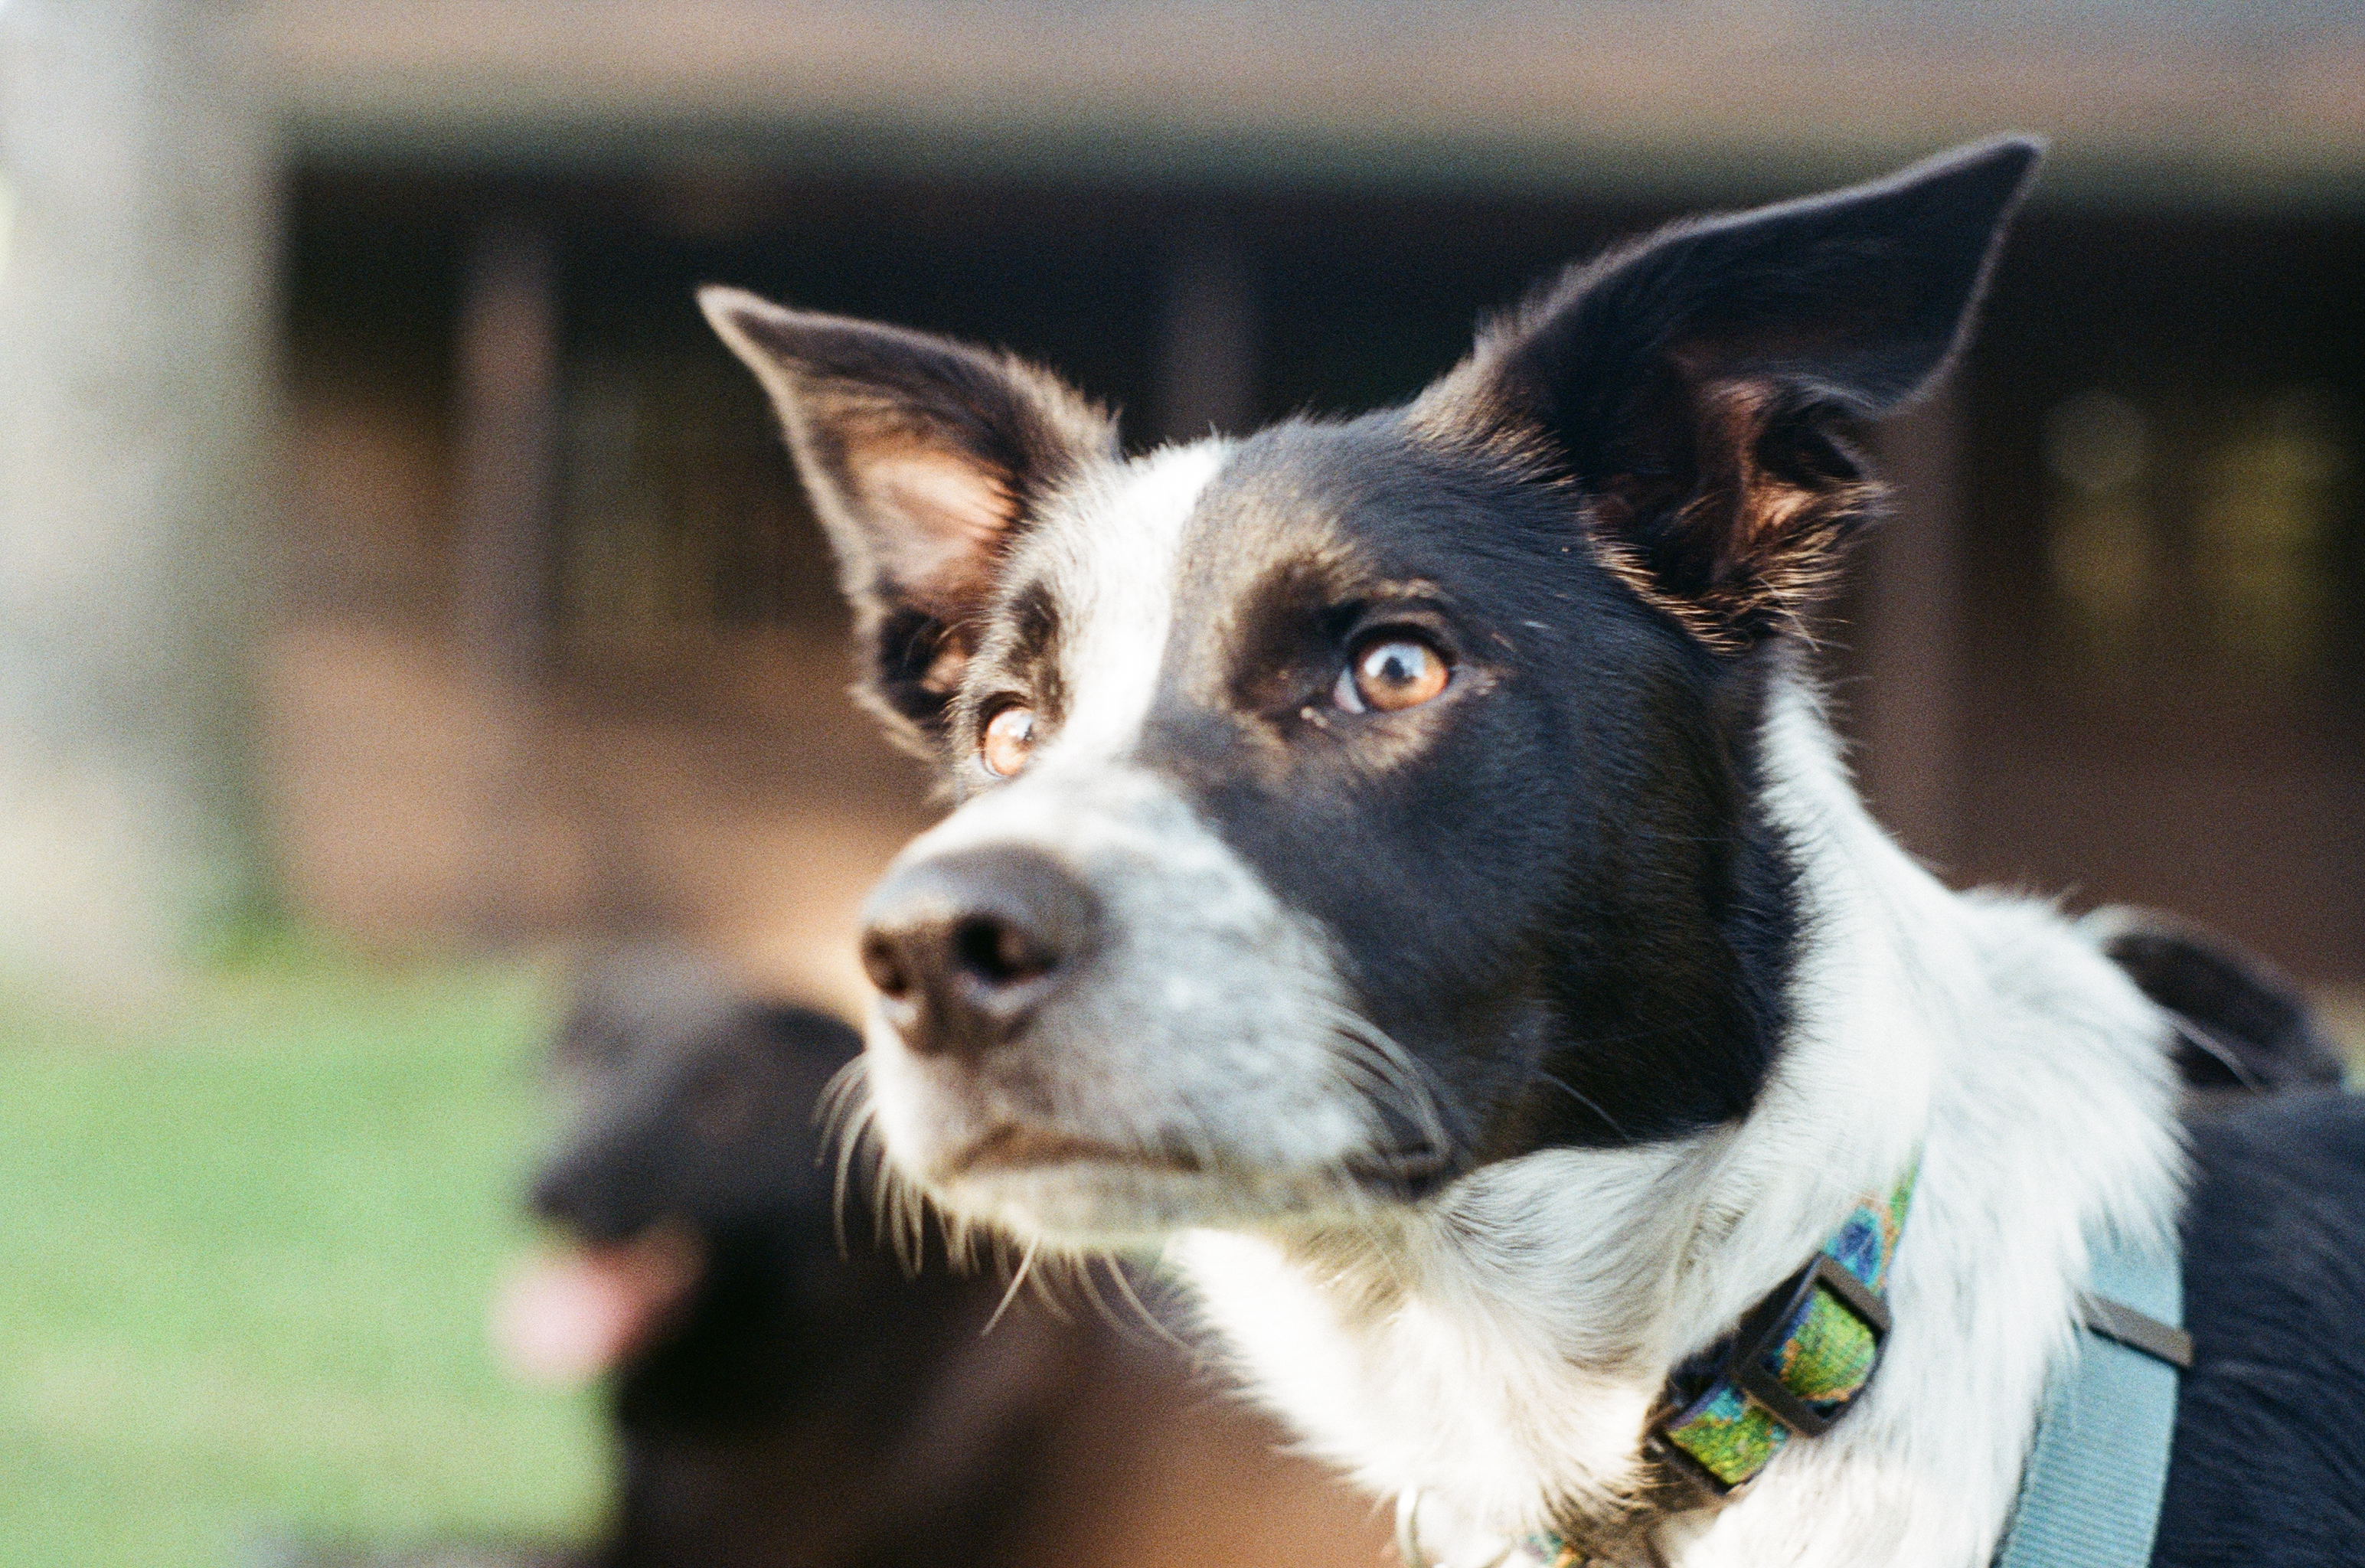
(690,1193)
(1360,804)
(699,1111)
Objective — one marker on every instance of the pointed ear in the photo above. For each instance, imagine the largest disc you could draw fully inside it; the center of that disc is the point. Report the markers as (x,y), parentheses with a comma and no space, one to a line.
(924,459)
(1697,387)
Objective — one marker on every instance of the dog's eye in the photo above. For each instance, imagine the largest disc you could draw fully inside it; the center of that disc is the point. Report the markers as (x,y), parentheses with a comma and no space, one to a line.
(1009,736)
(1391,672)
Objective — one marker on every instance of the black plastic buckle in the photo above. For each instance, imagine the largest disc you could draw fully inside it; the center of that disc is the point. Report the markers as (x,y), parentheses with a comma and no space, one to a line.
(1744,1367)
(1747,1365)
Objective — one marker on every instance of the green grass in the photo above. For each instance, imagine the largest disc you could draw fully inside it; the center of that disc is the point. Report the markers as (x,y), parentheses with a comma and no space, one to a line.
(246,1251)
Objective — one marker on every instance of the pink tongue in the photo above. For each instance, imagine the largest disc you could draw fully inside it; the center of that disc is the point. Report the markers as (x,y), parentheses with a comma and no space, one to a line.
(562,1320)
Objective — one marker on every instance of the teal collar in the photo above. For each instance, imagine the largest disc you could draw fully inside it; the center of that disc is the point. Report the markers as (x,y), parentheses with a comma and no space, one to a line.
(2090,1491)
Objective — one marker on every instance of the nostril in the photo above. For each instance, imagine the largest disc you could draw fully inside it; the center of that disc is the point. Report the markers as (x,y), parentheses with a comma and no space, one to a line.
(1000,952)
(885,967)
(967,948)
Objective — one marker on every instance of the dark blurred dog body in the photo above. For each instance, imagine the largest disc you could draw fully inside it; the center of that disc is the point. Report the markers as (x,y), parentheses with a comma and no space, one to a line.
(2272,1273)
(790,1402)
(2239,1026)
(782,1399)
(2279,1175)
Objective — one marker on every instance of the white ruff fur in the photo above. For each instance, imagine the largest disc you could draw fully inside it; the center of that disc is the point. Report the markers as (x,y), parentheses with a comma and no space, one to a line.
(1498,1349)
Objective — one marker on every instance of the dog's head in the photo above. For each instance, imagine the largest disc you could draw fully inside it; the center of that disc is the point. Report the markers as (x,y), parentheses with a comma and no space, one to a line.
(704,1119)
(1359,803)
(694,1159)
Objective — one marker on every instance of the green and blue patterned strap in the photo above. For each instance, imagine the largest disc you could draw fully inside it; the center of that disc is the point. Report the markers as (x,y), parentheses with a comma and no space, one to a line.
(1727,1421)
(1823,1356)
(2090,1493)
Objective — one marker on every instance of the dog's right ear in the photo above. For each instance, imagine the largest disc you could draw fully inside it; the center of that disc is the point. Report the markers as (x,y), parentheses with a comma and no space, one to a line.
(925,458)
(1699,389)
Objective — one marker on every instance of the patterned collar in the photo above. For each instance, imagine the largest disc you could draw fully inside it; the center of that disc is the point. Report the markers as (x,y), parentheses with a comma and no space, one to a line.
(1801,1357)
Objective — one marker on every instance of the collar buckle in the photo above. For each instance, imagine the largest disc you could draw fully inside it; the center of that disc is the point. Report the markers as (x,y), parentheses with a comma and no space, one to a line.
(1744,1367)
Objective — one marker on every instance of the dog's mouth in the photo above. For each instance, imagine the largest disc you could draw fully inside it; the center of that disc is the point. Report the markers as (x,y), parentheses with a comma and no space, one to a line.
(1014,1146)
(568,1315)
(1405,1172)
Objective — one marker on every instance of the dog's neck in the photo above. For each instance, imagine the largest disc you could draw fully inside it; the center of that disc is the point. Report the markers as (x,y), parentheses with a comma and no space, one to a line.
(1501,1348)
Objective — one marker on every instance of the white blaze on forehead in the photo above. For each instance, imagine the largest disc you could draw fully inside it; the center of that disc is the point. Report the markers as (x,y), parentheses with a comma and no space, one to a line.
(1208,1016)
(1112,556)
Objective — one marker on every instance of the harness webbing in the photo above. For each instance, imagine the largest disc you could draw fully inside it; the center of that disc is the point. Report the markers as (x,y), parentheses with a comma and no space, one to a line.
(2089,1494)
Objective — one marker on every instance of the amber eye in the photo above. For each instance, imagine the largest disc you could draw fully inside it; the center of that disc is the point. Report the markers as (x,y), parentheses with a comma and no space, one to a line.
(1009,736)
(1391,672)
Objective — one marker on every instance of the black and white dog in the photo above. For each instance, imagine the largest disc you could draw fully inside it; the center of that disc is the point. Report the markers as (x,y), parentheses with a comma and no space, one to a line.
(1403,867)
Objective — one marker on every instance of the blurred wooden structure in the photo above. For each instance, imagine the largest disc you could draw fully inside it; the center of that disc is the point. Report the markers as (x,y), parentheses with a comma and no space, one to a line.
(2129,670)
(2238,104)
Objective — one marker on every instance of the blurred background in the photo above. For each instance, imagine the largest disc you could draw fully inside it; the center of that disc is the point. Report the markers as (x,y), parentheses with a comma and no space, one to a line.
(400,590)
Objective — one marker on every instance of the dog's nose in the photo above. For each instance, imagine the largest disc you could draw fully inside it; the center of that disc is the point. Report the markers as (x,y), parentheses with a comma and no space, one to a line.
(965,946)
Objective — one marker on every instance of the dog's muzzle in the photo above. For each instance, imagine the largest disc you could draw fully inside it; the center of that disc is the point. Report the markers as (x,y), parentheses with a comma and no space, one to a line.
(966,947)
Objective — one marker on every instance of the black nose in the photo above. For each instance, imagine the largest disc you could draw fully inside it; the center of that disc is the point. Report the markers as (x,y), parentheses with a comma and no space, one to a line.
(965,946)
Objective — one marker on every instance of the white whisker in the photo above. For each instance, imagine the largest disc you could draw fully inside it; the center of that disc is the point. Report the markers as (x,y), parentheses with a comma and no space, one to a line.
(1026,1267)
(1124,1283)
(1380,1070)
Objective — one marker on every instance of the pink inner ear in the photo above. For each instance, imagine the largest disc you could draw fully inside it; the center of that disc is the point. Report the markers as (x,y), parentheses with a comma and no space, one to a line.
(946,517)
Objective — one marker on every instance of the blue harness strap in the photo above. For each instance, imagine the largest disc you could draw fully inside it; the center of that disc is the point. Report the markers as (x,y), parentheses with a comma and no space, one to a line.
(2089,1496)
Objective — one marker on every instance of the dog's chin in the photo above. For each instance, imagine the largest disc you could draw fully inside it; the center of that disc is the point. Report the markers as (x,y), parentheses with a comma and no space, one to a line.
(1110,1179)
(1074,1194)
(1088,1204)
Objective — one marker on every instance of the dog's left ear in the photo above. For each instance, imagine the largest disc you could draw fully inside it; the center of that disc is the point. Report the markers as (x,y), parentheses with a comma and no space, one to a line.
(1697,387)
(924,460)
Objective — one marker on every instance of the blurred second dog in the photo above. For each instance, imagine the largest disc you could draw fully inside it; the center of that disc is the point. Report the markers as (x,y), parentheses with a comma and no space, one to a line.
(781,1398)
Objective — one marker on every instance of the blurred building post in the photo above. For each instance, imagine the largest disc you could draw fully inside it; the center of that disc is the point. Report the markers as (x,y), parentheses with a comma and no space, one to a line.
(1208,337)
(1912,632)
(506,515)
(504,558)
(137,210)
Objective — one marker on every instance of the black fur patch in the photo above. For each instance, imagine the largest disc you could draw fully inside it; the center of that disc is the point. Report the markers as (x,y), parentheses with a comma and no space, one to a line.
(2268,1465)
(1699,383)
(1550,884)
(1019,657)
